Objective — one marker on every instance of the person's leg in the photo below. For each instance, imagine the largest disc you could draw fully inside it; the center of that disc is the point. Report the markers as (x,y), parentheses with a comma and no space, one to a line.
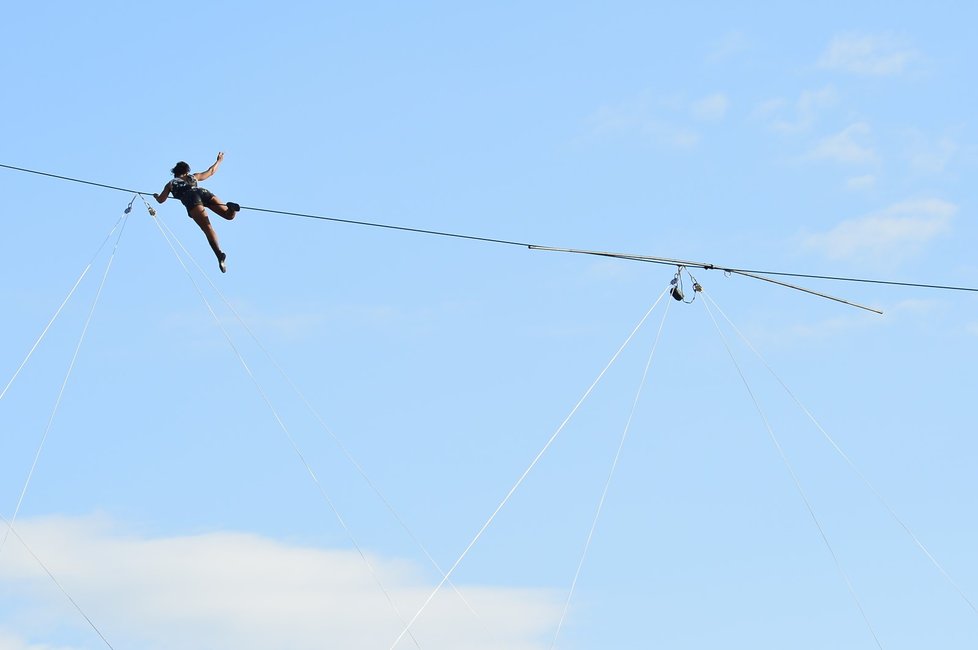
(226,210)
(199,215)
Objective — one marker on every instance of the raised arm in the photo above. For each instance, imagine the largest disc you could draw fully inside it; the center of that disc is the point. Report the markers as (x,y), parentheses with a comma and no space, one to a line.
(162,196)
(207,173)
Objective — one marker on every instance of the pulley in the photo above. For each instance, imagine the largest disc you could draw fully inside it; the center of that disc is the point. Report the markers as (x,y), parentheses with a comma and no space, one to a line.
(676,285)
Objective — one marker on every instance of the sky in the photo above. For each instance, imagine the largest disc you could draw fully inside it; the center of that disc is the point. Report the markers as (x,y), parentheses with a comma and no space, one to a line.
(295,454)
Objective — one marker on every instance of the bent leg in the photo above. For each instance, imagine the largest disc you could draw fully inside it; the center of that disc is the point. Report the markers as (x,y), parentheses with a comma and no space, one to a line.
(221,209)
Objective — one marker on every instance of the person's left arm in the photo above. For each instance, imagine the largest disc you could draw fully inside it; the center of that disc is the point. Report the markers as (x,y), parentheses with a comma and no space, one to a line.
(207,173)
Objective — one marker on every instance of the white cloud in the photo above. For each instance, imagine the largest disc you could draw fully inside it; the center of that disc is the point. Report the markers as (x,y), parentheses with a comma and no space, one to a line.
(914,307)
(247,592)
(931,155)
(675,136)
(302,322)
(800,115)
(10,641)
(728,47)
(640,118)
(829,328)
(891,235)
(712,107)
(662,120)
(866,54)
(846,146)
(847,322)
(770,107)
(864,182)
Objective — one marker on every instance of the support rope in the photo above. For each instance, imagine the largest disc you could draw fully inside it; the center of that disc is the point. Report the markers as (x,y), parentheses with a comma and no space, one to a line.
(64,592)
(64,384)
(285,430)
(849,461)
(522,477)
(322,423)
(794,478)
(611,475)
(58,311)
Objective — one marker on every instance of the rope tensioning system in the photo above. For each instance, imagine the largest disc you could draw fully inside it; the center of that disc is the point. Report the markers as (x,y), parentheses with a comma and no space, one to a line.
(676,286)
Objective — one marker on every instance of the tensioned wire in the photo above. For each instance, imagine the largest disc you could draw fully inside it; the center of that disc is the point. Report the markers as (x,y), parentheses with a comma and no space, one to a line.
(347,454)
(794,478)
(56,582)
(611,475)
(64,383)
(493,240)
(847,459)
(285,430)
(526,472)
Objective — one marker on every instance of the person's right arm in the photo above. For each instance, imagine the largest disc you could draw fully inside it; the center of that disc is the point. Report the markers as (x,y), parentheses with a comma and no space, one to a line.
(164,194)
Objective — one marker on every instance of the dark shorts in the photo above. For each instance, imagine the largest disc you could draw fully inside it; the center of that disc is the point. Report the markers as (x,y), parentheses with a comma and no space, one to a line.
(195,197)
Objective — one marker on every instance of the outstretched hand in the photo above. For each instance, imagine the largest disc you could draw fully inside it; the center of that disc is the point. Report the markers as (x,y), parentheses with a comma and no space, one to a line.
(220,156)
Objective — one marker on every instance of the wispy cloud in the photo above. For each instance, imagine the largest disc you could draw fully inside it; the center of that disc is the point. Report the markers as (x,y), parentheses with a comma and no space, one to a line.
(847,146)
(662,120)
(893,234)
(732,44)
(930,155)
(302,322)
(712,107)
(659,120)
(827,328)
(864,182)
(867,54)
(798,115)
(644,118)
(10,641)
(247,592)
(913,307)
(846,323)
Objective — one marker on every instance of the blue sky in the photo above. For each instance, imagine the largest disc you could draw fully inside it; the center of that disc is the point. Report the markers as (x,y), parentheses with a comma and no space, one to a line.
(174,509)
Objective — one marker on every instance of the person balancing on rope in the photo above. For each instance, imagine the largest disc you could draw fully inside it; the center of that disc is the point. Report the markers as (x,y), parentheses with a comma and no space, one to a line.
(195,199)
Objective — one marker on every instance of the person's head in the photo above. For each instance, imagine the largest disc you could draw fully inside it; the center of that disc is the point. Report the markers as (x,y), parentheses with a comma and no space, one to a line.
(180,169)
